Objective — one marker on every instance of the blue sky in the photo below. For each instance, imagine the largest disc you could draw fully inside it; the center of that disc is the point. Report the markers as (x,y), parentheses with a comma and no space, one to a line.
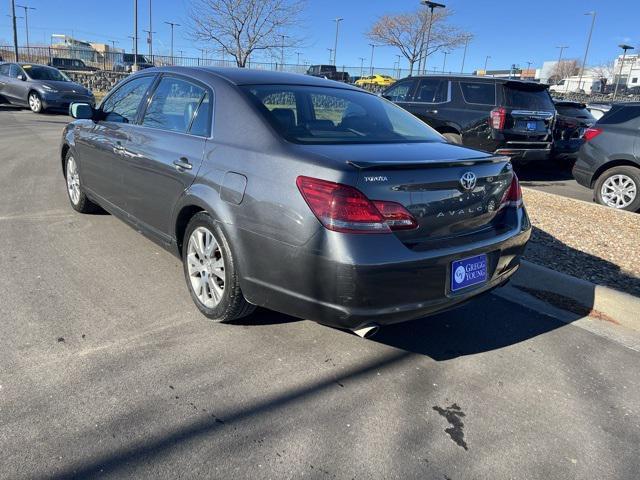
(508,31)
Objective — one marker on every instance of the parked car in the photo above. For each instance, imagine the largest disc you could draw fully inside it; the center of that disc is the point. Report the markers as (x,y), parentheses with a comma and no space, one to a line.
(339,207)
(572,119)
(330,72)
(598,109)
(125,64)
(70,64)
(509,117)
(609,160)
(375,81)
(40,87)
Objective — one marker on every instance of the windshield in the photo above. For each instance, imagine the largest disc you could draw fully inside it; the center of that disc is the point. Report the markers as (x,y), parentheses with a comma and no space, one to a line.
(325,115)
(528,98)
(38,72)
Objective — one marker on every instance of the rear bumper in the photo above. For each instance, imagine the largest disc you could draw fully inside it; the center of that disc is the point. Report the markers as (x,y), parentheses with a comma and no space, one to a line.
(349,281)
(527,152)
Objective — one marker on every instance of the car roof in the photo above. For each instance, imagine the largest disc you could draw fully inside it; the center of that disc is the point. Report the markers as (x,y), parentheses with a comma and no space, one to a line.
(476,77)
(247,76)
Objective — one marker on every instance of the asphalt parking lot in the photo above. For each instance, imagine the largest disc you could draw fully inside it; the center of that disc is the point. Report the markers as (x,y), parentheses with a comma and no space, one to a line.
(553,176)
(108,370)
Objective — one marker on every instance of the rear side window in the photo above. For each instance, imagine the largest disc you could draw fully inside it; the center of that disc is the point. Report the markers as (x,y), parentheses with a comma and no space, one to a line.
(619,115)
(399,92)
(479,93)
(432,90)
(527,98)
(173,105)
(122,105)
(4,69)
(13,70)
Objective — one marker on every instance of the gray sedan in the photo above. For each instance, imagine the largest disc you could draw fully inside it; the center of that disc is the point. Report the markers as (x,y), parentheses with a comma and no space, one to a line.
(298,194)
(40,87)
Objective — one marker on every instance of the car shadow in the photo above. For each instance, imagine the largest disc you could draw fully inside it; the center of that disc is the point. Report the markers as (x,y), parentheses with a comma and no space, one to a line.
(547,171)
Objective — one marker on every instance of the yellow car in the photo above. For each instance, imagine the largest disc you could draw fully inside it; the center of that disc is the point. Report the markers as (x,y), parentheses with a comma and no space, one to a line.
(375,80)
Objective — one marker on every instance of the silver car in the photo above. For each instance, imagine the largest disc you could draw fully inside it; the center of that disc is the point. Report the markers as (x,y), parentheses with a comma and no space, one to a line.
(40,87)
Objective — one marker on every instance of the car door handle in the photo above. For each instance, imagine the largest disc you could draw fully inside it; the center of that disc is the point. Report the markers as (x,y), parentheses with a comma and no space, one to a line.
(119,148)
(182,164)
(431,111)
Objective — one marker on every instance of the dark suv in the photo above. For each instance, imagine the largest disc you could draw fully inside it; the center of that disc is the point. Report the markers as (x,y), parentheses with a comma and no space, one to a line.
(510,117)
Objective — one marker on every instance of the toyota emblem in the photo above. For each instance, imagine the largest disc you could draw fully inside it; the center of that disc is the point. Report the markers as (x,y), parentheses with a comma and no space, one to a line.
(468,180)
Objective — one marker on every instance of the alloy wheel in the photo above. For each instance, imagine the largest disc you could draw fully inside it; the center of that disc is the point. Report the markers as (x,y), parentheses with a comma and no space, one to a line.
(73,181)
(34,102)
(205,265)
(618,191)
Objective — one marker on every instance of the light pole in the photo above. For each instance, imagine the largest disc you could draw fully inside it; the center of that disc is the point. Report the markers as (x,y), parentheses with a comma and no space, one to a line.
(425,51)
(330,54)
(282,52)
(135,36)
(444,62)
(15,29)
(150,32)
(335,44)
(298,60)
(399,72)
(624,48)
(172,25)
(373,47)
(149,37)
(586,50)
(113,43)
(562,49)
(133,40)
(464,55)
(362,59)
(26,21)
(486,60)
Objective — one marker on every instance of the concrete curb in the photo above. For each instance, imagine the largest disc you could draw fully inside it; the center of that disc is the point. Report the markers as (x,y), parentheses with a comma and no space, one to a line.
(620,307)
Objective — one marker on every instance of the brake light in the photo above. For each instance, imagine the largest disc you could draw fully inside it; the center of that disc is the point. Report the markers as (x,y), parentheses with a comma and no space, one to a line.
(498,117)
(513,196)
(342,208)
(591,133)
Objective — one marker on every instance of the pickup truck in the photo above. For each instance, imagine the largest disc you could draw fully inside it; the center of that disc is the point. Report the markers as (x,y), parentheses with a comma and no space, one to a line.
(329,72)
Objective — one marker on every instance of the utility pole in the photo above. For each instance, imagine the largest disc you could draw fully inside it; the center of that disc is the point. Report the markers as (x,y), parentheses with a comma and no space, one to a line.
(282,52)
(624,48)
(425,51)
(362,59)
(172,25)
(15,29)
(335,44)
(26,21)
(464,55)
(586,51)
(135,36)
(373,47)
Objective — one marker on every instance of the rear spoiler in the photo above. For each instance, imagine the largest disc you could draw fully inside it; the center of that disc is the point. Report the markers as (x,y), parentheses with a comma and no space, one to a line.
(467,162)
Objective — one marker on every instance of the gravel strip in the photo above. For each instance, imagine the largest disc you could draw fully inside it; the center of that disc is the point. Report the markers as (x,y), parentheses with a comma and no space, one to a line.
(585,240)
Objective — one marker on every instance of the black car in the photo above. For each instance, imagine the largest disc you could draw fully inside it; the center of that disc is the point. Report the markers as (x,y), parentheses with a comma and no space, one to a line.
(509,117)
(572,119)
(609,160)
(74,64)
(330,72)
(125,64)
(306,196)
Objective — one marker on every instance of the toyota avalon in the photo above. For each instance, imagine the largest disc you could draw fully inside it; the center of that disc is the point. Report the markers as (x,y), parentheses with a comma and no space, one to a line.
(298,194)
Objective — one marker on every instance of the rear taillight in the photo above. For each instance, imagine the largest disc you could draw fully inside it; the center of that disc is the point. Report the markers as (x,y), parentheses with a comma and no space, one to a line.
(513,196)
(591,133)
(498,117)
(346,209)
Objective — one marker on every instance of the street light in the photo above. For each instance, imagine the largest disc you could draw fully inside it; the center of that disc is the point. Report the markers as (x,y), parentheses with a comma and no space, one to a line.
(335,45)
(624,48)
(486,60)
(298,60)
(444,62)
(362,59)
(282,37)
(15,29)
(399,72)
(425,51)
(586,50)
(26,21)
(464,55)
(330,53)
(562,49)
(172,25)
(373,47)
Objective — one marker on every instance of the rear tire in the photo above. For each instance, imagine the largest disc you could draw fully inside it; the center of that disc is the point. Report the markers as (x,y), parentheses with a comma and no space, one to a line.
(619,187)
(210,271)
(35,102)
(453,138)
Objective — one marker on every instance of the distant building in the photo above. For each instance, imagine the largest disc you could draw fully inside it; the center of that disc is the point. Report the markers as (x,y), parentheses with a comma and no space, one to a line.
(630,73)
(92,53)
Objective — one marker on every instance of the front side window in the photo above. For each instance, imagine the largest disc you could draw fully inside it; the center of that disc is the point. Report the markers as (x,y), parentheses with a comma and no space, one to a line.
(39,72)
(122,105)
(399,92)
(4,69)
(432,90)
(479,93)
(325,115)
(174,105)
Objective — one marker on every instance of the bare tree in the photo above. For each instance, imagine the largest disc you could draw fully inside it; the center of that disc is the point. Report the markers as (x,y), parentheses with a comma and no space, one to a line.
(605,71)
(243,27)
(564,69)
(405,32)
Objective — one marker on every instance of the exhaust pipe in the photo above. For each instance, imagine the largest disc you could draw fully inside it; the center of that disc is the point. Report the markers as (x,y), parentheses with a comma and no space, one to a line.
(367,331)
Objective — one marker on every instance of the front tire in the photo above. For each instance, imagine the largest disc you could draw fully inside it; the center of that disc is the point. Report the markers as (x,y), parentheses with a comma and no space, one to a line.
(210,271)
(77,198)
(619,188)
(35,102)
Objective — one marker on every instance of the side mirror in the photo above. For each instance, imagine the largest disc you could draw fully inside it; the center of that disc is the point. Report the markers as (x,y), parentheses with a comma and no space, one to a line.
(21,77)
(81,111)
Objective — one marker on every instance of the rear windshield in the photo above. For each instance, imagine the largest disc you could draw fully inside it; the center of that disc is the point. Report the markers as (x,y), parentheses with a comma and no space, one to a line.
(527,98)
(574,111)
(324,115)
(38,72)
